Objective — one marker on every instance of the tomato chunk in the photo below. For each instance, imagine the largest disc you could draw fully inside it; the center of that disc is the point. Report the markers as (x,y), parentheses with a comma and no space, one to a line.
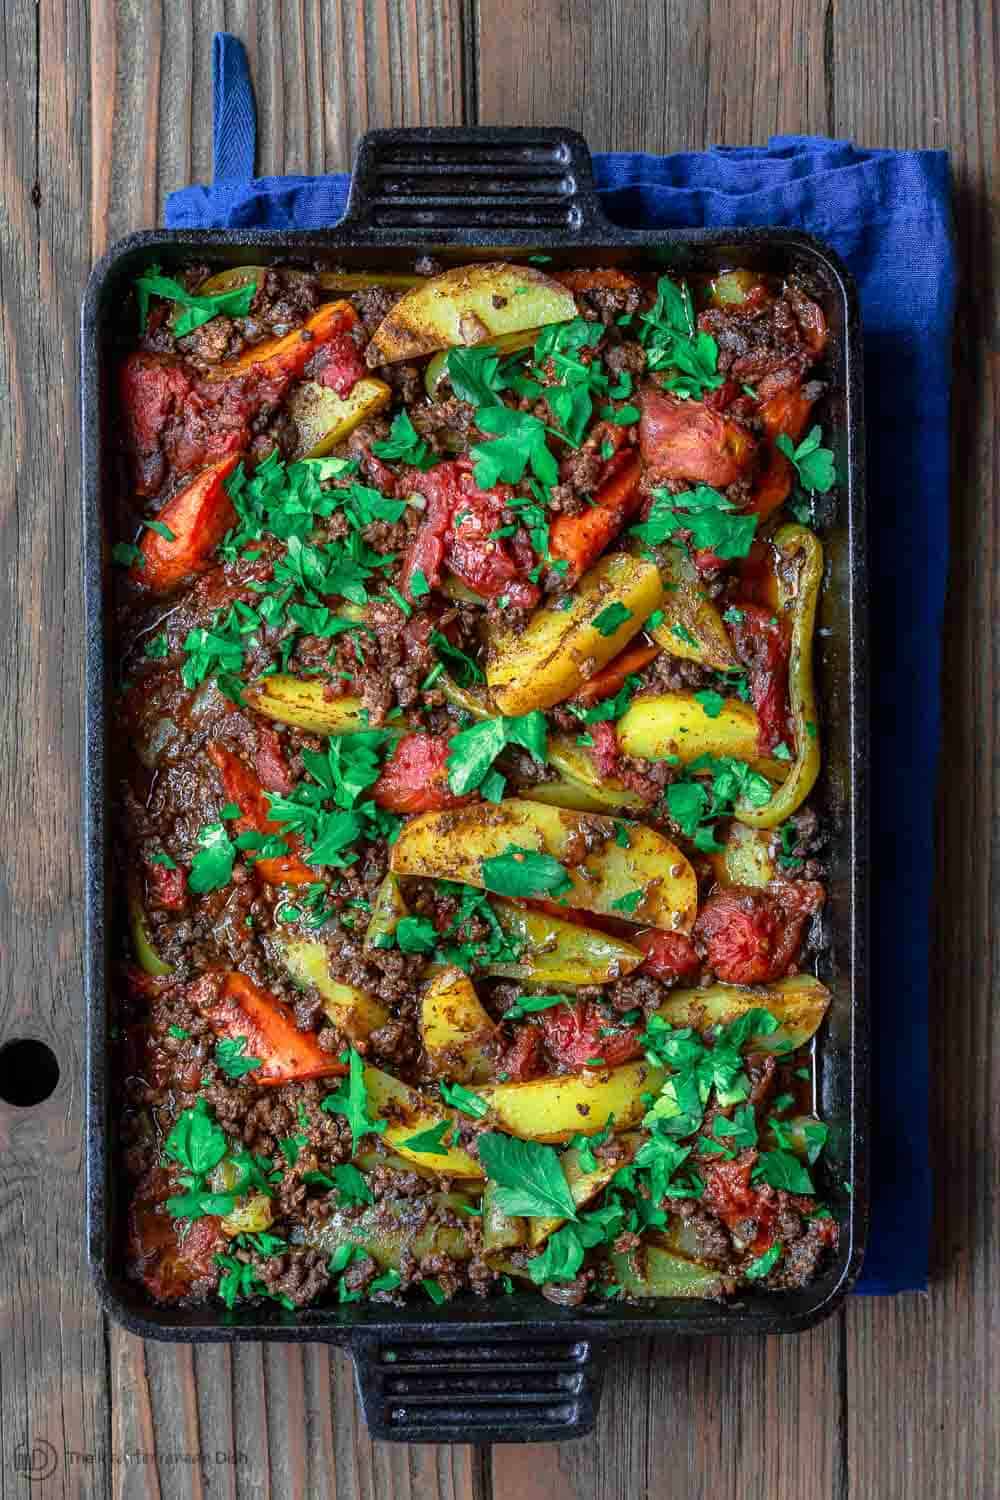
(415,777)
(166,888)
(786,412)
(198,518)
(762,644)
(522,1059)
(268,1027)
(686,440)
(669,955)
(456,533)
(580,540)
(243,788)
(167,1262)
(573,1037)
(752,936)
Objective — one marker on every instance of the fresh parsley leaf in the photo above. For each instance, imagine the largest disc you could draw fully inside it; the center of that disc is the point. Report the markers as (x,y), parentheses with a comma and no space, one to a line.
(430,1142)
(178,1032)
(740,1131)
(734,616)
(815,1133)
(780,1169)
(704,513)
(608,708)
(432,1287)
(230,1055)
(156,648)
(160,858)
(630,901)
(196,1142)
(460,666)
(611,619)
(696,805)
(351,1101)
(759,1268)
(529,1177)
(387,1282)
(162,529)
(404,444)
(238,1280)
(564,1250)
(416,935)
(520,443)
(472,751)
(348,1183)
(520,872)
(464,1100)
(712,702)
(813,463)
(198,309)
(474,374)
(127,553)
(212,866)
(529,1005)
(674,344)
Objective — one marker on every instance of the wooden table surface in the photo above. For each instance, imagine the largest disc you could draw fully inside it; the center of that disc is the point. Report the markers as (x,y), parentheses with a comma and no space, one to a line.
(106,108)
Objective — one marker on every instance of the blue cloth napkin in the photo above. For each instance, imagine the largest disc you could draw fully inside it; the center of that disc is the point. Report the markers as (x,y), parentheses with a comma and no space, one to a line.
(888,214)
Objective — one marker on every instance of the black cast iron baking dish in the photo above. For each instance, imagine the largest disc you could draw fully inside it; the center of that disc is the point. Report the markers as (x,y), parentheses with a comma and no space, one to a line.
(517,1368)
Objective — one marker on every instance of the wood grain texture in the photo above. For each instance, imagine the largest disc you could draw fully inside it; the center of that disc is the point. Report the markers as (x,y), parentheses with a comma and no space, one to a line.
(111,111)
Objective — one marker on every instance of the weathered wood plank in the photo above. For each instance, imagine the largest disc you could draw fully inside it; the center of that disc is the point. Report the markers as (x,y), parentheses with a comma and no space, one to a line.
(921,1372)
(53,1408)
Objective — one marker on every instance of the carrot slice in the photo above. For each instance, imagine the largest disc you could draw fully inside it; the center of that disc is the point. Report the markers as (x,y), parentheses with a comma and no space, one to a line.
(198,517)
(243,788)
(612,677)
(787,412)
(580,540)
(268,1028)
(289,355)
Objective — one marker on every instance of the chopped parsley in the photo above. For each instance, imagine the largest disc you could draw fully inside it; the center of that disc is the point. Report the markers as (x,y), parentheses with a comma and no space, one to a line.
(351,1101)
(611,619)
(520,872)
(430,1142)
(712,702)
(675,345)
(212,866)
(529,1177)
(696,805)
(765,1263)
(473,750)
(813,464)
(198,308)
(464,1100)
(231,1058)
(404,444)
(703,513)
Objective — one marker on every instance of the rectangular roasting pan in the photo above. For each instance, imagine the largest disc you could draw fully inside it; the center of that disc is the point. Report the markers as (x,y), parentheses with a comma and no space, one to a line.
(514,1369)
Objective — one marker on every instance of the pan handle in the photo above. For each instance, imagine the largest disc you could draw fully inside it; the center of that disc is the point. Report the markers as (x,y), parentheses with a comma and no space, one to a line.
(453,182)
(462,1385)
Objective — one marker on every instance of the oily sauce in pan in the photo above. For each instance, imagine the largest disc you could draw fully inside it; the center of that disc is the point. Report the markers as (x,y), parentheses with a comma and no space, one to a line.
(462,748)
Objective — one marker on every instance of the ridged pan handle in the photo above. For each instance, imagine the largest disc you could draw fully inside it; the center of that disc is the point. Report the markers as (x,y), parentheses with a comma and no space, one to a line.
(457,1386)
(518,181)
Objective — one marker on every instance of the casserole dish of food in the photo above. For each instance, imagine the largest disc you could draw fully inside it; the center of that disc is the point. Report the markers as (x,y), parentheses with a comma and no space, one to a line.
(475,861)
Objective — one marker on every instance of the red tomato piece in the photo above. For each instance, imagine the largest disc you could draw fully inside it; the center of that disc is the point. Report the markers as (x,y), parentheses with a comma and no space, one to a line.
(198,518)
(685,440)
(762,644)
(785,412)
(341,366)
(573,1036)
(669,955)
(166,1262)
(415,777)
(751,936)
(522,1059)
(166,888)
(270,762)
(268,1025)
(153,389)
(456,533)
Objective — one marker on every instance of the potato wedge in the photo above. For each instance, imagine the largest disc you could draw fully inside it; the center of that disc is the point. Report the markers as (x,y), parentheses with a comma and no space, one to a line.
(410,1113)
(677,724)
(692,626)
(454,845)
(508,343)
(799,1003)
(353,1010)
(294,700)
(583,1185)
(460,307)
(500,1231)
(554,1109)
(454,1027)
(561,952)
(746,858)
(324,419)
(651,1271)
(562,648)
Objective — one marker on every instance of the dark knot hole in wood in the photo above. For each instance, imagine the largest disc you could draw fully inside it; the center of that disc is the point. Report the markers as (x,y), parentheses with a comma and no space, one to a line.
(29,1072)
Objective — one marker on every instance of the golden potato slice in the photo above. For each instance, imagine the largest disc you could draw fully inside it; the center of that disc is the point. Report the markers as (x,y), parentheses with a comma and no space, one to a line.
(324,419)
(469,305)
(354,1011)
(410,1113)
(553,1109)
(500,1231)
(746,858)
(692,626)
(644,878)
(799,1003)
(454,1027)
(386,1229)
(562,648)
(668,724)
(300,701)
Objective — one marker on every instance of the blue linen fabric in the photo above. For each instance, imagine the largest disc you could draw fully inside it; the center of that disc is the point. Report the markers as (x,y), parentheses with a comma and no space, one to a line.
(888,215)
